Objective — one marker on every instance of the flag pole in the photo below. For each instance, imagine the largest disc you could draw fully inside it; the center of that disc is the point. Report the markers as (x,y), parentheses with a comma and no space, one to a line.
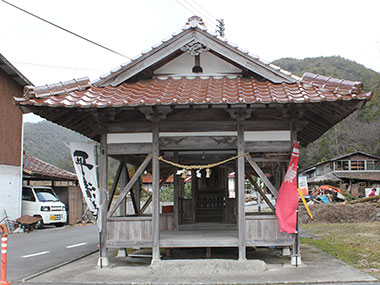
(297,240)
(297,227)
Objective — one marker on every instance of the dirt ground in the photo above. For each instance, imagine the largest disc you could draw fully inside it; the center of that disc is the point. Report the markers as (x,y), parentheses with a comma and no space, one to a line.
(341,213)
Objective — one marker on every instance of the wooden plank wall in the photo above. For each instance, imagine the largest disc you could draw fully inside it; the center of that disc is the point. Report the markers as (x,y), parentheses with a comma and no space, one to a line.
(10,121)
(263,230)
(75,204)
(167,222)
(129,231)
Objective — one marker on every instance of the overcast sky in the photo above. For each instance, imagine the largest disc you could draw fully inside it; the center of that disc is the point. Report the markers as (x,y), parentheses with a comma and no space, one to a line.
(271,29)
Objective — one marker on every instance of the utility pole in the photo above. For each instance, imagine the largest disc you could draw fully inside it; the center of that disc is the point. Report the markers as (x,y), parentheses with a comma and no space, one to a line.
(221,27)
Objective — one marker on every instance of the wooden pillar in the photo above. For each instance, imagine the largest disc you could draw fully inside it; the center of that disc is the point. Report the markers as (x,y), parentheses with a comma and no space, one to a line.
(156,192)
(240,190)
(176,207)
(103,165)
(176,211)
(194,191)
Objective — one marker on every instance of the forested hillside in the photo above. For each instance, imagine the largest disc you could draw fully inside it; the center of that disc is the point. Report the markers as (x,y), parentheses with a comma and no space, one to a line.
(358,132)
(48,142)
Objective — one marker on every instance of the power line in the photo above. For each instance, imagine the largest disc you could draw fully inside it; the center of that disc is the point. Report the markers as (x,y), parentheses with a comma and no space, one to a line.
(206,18)
(66,30)
(191,11)
(59,67)
(211,16)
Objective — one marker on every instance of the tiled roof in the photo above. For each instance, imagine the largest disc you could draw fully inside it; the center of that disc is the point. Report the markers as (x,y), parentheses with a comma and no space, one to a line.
(326,178)
(36,167)
(334,84)
(148,179)
(197,90)
(56,88)
(365,175)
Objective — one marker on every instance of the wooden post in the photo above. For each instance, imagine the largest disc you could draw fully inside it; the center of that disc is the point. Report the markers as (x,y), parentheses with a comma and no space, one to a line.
(122,252)
(156,192)
(241,202)
(176,207)
(176,197)
(103,165)
(194,190)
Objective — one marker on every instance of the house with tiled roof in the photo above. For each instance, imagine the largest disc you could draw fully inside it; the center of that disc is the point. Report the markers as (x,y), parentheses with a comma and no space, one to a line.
(12,83)
(41,173)
(197,104)
(353,172)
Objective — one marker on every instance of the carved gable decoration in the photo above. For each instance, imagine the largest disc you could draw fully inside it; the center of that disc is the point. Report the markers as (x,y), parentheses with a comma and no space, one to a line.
(195,41)
(194,48)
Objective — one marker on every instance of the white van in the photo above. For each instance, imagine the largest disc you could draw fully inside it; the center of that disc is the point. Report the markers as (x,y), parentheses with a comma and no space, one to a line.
(41,201)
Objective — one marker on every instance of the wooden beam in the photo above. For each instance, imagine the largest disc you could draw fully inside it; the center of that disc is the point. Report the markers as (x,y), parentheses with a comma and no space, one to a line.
(134,204)
(146,205)
(261,174)
(241,196)
(138,196)
(156,192)
(172,124)
(130,184)
(123,179)
(262,193)
(205,143)
(115,182)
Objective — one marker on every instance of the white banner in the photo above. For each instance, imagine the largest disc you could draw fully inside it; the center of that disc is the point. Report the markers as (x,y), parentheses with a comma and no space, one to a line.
(83,155)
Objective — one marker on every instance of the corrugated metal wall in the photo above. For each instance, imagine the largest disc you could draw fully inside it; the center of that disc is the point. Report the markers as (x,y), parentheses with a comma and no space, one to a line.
(10,121)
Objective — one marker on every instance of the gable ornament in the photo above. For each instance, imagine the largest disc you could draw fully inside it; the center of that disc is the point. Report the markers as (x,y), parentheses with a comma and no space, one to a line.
(194,48)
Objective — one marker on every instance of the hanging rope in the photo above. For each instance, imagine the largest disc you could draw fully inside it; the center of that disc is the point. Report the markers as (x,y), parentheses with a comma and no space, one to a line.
(200,166)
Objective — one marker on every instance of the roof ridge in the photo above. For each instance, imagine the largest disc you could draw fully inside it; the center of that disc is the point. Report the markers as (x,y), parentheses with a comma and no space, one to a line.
(57,88)
(336,85)
(194,23)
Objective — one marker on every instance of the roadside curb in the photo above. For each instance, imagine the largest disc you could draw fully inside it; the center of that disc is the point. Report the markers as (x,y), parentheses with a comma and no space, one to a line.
(58,266)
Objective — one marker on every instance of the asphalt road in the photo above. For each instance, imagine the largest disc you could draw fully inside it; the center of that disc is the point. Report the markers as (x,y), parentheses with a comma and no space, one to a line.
(31,253)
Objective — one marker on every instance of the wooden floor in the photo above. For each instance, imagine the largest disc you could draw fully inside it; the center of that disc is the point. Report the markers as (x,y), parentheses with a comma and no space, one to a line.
(201,235)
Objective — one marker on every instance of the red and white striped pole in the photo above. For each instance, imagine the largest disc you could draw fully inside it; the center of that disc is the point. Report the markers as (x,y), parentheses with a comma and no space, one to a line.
(4,245)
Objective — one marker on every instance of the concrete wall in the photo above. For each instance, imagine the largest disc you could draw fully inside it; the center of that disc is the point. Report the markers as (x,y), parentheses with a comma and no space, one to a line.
(10,191)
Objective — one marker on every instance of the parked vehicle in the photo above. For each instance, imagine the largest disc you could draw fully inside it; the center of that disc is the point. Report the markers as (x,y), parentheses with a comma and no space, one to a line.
(43,202)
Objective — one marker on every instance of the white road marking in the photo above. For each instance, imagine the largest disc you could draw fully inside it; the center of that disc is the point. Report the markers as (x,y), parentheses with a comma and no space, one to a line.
(75,245)
(35,254)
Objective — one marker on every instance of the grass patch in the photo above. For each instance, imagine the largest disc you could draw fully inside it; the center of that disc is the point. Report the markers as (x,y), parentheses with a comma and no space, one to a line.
(357,244)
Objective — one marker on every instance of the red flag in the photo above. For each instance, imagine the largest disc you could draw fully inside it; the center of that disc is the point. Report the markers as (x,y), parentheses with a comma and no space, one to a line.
(287,200)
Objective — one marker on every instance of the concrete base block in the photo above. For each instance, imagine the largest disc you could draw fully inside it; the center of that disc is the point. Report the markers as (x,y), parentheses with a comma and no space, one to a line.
(285,251)
(209,266)
(296,261)
(103,262)
(122,252)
